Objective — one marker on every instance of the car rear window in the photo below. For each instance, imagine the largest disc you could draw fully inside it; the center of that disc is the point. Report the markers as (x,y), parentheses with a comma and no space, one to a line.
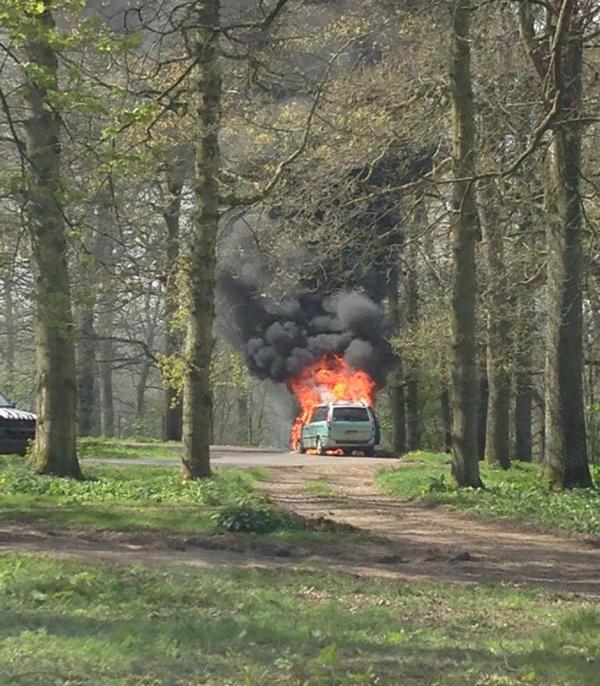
(350,414)
(319,414)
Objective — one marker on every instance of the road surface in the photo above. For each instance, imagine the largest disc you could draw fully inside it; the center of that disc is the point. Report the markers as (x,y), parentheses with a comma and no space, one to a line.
(233,456)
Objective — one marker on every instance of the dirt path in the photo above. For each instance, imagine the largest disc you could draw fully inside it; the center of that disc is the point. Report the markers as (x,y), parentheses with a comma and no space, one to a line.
(405,541)
(437,543)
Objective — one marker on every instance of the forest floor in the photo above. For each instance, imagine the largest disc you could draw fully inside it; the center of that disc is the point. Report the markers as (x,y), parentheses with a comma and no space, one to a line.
(370,534)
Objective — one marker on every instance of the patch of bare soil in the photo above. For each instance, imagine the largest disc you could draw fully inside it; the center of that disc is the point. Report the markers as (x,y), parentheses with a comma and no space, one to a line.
(436,543)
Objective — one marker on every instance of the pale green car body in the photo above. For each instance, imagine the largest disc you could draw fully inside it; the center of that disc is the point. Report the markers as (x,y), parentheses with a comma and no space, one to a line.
(347,427)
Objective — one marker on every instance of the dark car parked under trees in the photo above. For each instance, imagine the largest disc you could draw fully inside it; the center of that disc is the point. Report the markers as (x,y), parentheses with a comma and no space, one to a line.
(17,428)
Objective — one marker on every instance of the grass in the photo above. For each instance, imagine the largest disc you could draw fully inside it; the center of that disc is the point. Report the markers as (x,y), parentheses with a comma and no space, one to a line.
(106,448)
(128,498)
(321,488)
(75,623)
(517,494)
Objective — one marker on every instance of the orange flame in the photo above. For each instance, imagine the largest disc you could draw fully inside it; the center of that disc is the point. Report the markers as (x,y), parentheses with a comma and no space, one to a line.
(328,380)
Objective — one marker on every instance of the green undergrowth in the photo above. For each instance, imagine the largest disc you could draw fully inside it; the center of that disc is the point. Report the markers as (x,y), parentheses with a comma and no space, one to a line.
(107,448)
(516,494)
(74,623)
(126,498)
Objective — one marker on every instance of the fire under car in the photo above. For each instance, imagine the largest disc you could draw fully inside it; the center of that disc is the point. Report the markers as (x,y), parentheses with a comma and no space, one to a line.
(341,426)
(17,428)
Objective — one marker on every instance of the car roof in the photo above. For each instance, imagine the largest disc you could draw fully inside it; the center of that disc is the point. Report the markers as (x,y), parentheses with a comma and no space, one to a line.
(343,403)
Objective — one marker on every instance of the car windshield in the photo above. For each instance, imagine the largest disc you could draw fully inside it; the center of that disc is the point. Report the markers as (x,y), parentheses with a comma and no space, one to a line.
(319,414)
(350,414)
(4,402)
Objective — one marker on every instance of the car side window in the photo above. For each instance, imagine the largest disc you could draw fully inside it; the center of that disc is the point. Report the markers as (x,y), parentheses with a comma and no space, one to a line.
(319,414)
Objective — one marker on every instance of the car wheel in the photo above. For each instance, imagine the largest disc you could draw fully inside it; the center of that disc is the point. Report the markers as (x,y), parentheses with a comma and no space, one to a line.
(300,449)
(319,447)
(370,451)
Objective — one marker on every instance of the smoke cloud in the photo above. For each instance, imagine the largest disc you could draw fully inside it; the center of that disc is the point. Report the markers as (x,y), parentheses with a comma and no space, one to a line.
(279,337)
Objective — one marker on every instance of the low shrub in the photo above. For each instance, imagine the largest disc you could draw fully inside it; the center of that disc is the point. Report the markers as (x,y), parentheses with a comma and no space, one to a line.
(253,514)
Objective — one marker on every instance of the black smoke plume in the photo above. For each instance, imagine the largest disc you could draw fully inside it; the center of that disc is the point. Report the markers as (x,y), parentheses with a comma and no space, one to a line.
(279,337)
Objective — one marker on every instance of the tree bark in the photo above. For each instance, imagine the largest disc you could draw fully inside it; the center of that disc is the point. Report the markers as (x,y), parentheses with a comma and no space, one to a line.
(396,382)
(10,345)
(497,443)
(200,265)
(465,233)
(524,337)
(150,335)
(55,447)
(446,419)
(523,416)
(413,418)
(173,344)
(106,352)
(566,459)
(244,419)
(558,59)
(140,391)
(87,374)
(482,409)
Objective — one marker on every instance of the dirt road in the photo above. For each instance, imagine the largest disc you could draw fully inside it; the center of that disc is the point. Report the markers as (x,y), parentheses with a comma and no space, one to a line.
(437,543)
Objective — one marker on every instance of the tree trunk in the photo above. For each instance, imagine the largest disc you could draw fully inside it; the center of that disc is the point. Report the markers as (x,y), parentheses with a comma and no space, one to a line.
(105,255)
(106,353)
(524,338)
(482,410)
(446,419)
(150,335)
(398,405)
(173,343)
(243,419)
(413,419)
(558,58)
(173,415)
(140,391)
(10,345)
(465,233)
(87,376)
(396,381)
(200,265)
(566,459)
(523,416)
(497,443)
(55,447)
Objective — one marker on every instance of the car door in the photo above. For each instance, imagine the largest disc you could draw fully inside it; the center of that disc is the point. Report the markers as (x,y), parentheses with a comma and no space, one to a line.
(317,426)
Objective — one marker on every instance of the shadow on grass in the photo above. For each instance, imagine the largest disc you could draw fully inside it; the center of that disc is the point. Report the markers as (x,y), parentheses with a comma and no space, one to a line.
(179,518)
(163,644)
(96,624)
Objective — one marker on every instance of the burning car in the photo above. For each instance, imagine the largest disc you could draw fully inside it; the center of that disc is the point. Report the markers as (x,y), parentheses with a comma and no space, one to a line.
(340,426)
(336,408)
(17,428)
